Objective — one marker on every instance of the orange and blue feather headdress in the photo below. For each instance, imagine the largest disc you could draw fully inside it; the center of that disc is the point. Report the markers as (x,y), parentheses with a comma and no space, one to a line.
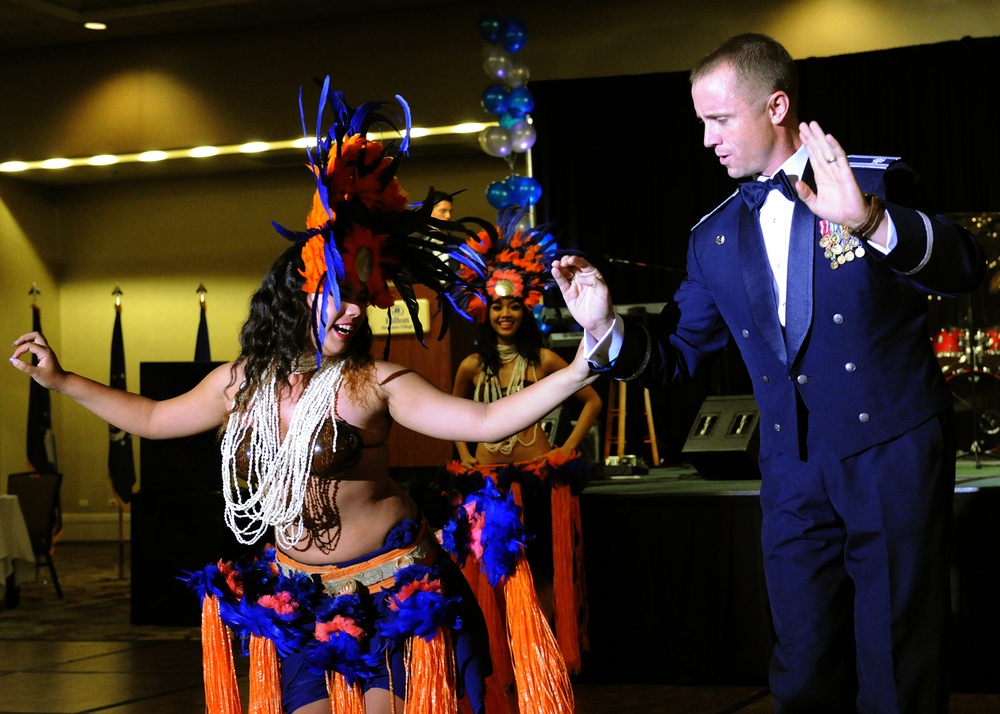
(362,231)
(518,263)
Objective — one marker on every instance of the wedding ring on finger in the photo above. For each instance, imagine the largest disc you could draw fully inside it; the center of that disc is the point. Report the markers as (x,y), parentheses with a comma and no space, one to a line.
(831,160)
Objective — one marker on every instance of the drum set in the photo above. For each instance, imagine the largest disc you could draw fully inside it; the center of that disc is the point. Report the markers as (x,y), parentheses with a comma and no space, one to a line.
(968,350)
(970,361)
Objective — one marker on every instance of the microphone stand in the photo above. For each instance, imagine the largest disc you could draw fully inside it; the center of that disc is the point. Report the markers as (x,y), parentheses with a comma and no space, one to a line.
(636,264)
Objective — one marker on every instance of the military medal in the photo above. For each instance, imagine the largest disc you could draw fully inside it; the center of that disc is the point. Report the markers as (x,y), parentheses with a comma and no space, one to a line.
(838,245)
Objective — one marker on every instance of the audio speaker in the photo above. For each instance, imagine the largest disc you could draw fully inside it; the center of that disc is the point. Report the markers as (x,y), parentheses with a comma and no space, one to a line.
(724,441)
(177,514)
(174,533)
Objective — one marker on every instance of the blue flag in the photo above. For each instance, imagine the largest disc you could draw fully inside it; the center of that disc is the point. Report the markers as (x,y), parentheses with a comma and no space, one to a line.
(41,445)
(202,350)
(121,463)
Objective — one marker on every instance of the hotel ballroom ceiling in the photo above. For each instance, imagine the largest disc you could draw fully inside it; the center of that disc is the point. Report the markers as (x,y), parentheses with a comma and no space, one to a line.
(53,23)
(37,25)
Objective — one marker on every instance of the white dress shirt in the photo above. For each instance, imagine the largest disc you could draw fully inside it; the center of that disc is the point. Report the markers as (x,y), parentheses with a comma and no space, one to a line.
(775,227)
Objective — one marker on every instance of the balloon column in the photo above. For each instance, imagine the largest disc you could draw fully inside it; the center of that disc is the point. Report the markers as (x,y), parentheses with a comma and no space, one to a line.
(510,101)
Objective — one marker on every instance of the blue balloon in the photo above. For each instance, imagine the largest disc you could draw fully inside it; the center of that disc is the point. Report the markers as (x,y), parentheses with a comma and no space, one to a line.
(498,195)
(520,102)
(528,191)
(507,121)
(489,27)
(496,98)
(513,34)
(538,312)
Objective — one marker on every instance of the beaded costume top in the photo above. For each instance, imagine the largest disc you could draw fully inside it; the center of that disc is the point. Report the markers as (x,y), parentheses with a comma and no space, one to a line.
(336,451)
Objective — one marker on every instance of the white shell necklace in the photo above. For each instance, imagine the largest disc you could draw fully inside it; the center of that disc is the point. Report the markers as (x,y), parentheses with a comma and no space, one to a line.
(275,488)
(490,390)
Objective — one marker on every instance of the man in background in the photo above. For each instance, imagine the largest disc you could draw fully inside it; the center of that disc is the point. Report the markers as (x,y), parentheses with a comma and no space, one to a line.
(443,206)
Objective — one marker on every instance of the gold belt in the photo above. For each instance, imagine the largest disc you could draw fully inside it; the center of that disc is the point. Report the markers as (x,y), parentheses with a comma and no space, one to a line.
(375,574)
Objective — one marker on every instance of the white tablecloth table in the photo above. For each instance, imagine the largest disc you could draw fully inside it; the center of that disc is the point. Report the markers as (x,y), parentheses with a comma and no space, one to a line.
(17,559)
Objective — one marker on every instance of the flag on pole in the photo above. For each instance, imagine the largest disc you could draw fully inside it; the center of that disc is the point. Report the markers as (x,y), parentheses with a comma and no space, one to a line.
(41,442)
(202,349)
(121,464)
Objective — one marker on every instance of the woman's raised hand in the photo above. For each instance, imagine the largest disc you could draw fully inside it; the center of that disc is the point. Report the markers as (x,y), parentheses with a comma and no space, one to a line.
(48,372)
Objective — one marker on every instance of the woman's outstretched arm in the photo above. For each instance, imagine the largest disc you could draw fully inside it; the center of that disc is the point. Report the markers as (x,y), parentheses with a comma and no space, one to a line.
(196,411)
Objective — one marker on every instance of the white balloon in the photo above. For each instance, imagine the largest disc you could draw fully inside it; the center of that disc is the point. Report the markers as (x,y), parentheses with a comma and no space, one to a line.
(496,62)
(517,74)
(491,48)
(522,136)
(495,141)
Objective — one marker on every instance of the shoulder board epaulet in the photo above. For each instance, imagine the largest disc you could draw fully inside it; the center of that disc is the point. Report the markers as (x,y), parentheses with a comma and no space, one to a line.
(860,161)
(716,209)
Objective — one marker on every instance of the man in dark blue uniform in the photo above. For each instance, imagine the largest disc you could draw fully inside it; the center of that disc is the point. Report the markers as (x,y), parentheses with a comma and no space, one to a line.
(821,281)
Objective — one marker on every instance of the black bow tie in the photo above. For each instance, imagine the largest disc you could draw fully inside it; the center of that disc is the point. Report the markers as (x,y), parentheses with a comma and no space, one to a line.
(754,193)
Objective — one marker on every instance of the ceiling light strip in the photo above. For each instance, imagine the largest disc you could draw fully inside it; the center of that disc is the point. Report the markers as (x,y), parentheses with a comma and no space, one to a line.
(202,152)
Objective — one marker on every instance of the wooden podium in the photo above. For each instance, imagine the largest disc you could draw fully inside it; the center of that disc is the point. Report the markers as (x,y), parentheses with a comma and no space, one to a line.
(437,362)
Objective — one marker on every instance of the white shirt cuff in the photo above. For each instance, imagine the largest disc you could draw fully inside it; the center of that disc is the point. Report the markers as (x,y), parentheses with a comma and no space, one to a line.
(603,351)
(890,242)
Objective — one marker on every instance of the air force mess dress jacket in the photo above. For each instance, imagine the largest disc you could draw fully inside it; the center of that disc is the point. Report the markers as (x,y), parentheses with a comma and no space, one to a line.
(855,353)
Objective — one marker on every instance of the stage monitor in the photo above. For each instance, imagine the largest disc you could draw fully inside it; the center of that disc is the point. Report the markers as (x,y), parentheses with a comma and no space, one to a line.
(724,441)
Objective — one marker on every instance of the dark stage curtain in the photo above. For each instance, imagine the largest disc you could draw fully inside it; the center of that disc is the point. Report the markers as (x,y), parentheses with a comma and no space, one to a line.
(676,589)
(677,596)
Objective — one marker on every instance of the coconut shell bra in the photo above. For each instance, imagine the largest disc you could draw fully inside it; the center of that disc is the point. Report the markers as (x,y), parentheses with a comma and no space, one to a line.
(329,460)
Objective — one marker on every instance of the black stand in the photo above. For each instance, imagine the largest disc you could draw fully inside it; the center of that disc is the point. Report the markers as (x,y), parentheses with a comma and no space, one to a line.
(983,422)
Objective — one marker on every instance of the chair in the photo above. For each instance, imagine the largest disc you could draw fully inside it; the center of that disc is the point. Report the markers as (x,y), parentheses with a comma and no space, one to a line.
(38,496)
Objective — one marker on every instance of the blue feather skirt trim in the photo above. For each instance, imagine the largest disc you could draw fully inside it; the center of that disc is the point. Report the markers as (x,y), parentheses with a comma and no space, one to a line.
(355,618)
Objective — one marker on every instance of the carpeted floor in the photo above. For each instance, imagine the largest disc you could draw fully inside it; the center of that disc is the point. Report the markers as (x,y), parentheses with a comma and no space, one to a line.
(96,604)
(106,664)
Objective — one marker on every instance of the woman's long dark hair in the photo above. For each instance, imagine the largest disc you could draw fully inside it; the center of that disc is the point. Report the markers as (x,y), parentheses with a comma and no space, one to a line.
(528,341)
(277,331)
